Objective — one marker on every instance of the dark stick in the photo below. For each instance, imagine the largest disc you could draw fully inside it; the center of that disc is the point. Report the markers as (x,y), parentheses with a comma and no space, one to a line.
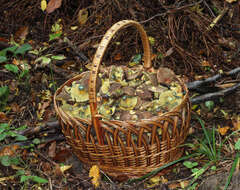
(33,130)
(196,84)
(211,96)
(58,137)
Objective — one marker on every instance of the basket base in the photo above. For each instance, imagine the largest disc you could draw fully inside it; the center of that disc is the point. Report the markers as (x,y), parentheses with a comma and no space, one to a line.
(130,172)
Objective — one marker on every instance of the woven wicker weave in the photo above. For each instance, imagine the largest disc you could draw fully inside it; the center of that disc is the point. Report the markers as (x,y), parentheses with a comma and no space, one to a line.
(131,148)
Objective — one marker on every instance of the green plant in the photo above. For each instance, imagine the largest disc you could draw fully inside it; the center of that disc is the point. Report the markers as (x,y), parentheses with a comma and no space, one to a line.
(15,50)
(234,165)
(6,131)
(22,171)
(4,92)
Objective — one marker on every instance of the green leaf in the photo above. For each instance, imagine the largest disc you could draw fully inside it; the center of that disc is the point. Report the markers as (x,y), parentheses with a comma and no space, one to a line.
(3,59)
(12,68)
(3,136)
(39,179)
(44,60)
(209,105)
(20,138)
(23,73)
(20,172)
(21,128)
(237,145)
(24,178)
(3,127)
(23,49)
(11,49)
(36,141)
(54,36)
(4,91)
(189,164)
(234,166)
(58,57)
(5,160)
(137,58)
(214,168)
(15,160)
(11,133)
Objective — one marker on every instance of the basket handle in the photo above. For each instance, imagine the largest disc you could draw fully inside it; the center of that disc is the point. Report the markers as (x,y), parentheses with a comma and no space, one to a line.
(97,60)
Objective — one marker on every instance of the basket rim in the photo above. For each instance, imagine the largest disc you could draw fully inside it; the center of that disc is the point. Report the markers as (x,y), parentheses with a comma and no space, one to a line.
(59,111)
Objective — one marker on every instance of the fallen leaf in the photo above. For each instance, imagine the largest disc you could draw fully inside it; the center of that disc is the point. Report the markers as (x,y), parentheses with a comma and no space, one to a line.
(117,57)
(231,1)
(95,173)
(52,150)
(43,5)
(62,155)
(82,16)
(7,178)
(53,5)
(65,167)
(205,63)
(165,75)
(21,33)
(169,52)
(9,150)
(236,122)
(223,130)
(3,116)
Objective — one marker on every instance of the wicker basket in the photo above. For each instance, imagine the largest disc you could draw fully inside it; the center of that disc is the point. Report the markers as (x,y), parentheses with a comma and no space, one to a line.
(131,148)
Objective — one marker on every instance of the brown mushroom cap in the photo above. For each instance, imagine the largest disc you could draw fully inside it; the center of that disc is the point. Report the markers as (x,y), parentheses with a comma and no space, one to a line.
(127,90)
(144,93)
(165,75)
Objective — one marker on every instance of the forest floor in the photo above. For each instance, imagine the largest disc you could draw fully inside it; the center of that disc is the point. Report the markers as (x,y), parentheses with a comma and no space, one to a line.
(42,48)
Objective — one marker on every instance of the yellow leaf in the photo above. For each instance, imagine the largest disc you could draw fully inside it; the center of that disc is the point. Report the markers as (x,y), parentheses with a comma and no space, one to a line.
(65,167)
(231,1)
(155,180)
(74,27)
(43,5)
(223,130)
(95,173)
(82,16)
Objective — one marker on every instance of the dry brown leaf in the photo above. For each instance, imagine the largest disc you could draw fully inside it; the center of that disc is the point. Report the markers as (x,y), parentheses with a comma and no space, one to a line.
(3,117)
(236,122)
(21,33)
(53,5)
(117,57)
(52,150)
(9,150)
(62,155)
(205,63)
(82,16)
(165,75)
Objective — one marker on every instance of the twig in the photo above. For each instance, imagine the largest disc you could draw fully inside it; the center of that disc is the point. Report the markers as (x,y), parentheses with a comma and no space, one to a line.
(33,130)
(211,96)
(45,157)
(75,49)
(58,137)
(172,11)
(196,84)
(217,19)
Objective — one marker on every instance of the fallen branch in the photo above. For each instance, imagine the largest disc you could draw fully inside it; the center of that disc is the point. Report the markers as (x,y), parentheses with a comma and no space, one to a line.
(44,140)
(38,129)
(197,84)
(211,96)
